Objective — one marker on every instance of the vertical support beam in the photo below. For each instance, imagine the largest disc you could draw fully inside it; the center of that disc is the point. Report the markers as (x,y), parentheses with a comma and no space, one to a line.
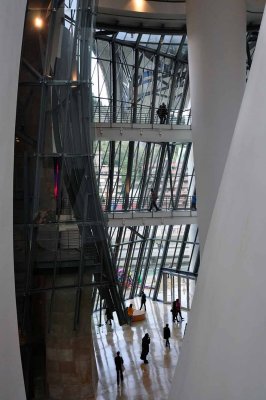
(154,91)
(138,266)
(160,169)
(216,91)
(165,288)
(135,86)
(183,99)
(165,251)
(155,79)
(129,174)
(143,188)
(111,175)
(114,78)
(182,248)
(182,175)
(169,167)
(175,77)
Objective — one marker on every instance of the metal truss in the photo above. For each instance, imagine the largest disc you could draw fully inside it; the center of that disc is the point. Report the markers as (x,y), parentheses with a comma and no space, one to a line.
(60,235)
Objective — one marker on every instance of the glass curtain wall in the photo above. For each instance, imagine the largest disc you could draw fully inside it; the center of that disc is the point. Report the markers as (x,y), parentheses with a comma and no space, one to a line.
(61,240)
(132,74)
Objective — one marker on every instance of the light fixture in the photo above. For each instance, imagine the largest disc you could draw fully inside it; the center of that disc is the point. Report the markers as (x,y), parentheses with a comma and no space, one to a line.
(38,22)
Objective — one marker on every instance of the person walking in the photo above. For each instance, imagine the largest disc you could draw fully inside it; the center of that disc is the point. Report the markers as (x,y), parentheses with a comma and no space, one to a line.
(109,316)
(119,365)
(166,335)
(178,309)
(174,312)
(130,312)
(145,348)
(143,300)
(153,198)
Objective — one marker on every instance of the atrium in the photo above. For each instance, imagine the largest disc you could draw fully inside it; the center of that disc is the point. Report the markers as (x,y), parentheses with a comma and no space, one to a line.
(84,146)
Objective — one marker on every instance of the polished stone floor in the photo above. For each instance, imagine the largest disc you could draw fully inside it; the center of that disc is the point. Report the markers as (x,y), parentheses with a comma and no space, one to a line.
(141,381)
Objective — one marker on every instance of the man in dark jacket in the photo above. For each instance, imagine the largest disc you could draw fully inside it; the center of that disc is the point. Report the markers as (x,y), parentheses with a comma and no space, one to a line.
(178,308)
(109,316)
(166,335)
(119,367)
(153,198)
(145,348)
(143,300)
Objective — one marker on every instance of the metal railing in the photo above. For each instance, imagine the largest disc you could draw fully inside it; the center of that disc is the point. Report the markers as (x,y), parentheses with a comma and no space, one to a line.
(125,113)
(166,204)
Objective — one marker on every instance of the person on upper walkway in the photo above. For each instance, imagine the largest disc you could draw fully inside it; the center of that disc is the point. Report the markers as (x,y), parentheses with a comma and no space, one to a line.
(153,199)
(194,202)
(162,113)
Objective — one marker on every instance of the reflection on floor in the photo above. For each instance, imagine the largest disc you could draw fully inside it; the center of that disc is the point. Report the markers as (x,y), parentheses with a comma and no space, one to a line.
(141,381)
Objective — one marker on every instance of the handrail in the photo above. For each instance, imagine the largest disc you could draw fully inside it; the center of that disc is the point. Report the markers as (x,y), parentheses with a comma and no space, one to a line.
(124,114)
(184,203)
(117,206)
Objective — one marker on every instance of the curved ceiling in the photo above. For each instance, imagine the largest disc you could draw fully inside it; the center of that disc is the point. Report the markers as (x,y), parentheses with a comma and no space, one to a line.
(155,16)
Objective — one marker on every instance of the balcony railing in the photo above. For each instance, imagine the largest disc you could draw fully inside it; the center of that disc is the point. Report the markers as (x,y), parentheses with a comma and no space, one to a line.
(166,204)
(125,113)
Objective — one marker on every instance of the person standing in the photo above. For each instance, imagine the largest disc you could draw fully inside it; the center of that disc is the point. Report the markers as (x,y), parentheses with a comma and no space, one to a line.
(160,114)
(166,335)
(153,198)
(164,113)
(143,300)
(178,309)
(194,202)
(119,365)
(145,348)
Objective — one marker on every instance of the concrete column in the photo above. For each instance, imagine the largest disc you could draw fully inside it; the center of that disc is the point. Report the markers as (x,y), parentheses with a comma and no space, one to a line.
(71,370)
(223,354)
(12,15)
(217,64)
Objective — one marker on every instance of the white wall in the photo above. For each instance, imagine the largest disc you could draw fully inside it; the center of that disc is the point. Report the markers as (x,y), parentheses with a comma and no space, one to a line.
(223,354)
(217,65)
(12,14)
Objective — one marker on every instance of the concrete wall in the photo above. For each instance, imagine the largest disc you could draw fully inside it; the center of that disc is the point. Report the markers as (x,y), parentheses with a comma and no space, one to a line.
(11,29)
(217,72)
(223,354)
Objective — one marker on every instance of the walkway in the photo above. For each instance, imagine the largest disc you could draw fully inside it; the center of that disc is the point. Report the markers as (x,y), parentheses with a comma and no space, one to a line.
(151,381)
(142,218)
(143,132)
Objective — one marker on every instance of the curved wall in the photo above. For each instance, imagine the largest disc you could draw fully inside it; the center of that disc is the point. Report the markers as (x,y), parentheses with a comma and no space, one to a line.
(223,355)
(217,73)
(12,15)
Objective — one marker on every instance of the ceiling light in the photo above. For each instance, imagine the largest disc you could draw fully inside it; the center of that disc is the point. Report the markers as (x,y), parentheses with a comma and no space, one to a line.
(38,22)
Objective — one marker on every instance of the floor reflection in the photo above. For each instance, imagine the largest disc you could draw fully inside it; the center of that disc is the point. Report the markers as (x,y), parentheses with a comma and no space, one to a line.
(141,381)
